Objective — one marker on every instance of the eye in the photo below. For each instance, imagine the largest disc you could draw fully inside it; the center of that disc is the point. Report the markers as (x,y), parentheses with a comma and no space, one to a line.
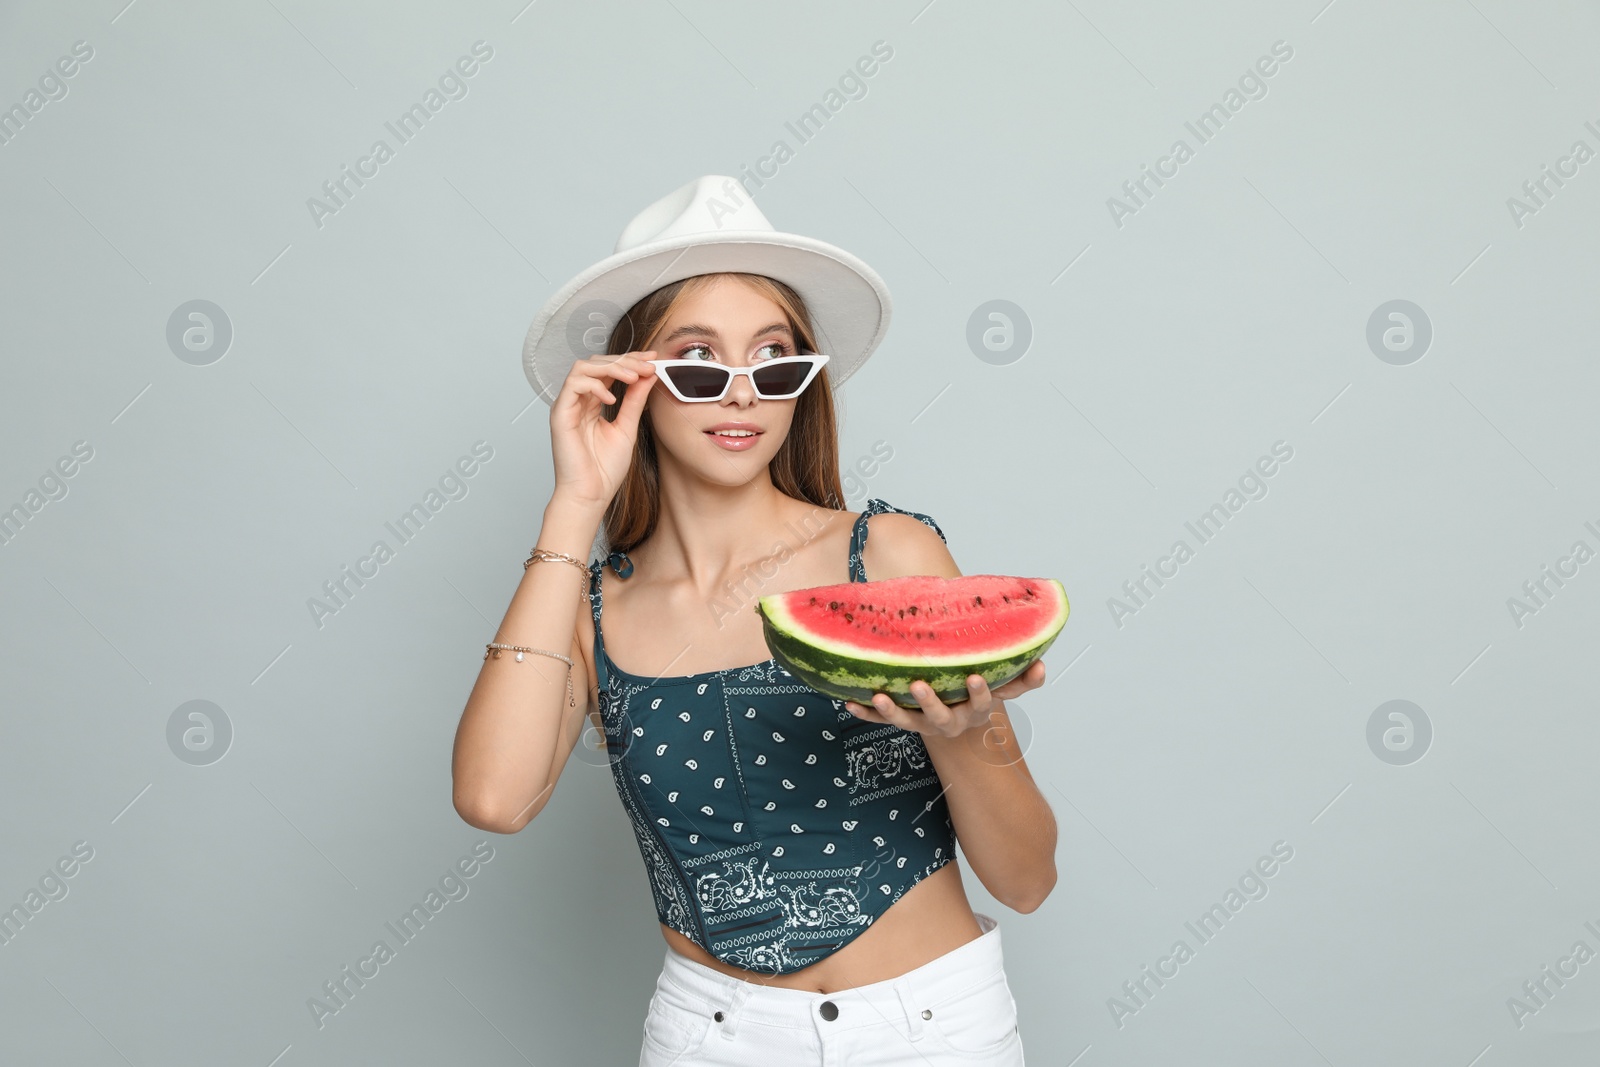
(779,348)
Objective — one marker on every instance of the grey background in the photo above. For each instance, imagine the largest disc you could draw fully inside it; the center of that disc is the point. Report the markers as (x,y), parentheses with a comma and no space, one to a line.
(1168,354)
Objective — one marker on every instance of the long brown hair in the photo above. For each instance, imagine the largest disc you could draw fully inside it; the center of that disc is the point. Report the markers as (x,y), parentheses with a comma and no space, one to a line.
(806,466)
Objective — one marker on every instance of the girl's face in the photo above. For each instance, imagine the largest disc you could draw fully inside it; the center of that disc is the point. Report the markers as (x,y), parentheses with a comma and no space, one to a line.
(729,323)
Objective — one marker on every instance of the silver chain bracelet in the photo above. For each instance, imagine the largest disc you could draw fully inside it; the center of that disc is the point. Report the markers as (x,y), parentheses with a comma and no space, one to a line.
(494,648)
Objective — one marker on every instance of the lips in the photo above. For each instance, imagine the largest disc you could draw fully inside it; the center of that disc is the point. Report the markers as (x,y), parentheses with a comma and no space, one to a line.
(733,442)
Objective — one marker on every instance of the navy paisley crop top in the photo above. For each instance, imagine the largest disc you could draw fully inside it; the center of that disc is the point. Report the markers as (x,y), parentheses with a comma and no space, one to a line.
(774,825)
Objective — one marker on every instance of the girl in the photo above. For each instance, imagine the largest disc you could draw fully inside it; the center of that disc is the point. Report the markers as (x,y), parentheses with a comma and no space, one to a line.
(800,849)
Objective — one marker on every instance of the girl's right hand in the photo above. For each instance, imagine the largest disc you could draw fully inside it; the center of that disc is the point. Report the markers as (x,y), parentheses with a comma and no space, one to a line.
(592,456)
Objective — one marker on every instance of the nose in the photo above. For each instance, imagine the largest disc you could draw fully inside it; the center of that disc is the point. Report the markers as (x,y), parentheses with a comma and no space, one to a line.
(742,392)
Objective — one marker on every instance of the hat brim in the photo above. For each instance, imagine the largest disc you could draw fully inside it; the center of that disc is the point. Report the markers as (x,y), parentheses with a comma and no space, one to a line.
(848,301)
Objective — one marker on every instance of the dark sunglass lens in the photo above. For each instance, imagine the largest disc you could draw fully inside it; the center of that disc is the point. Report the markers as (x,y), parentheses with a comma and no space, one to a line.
(707,381)
(781,378)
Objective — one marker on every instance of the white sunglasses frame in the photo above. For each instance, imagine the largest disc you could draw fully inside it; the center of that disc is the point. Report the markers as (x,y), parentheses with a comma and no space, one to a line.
(816,369)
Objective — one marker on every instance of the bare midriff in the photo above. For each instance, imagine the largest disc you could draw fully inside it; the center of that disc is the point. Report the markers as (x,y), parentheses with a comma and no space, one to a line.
(932,918)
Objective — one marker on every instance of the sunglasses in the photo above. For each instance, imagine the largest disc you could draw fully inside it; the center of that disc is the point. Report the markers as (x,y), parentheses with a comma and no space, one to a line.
(697,381)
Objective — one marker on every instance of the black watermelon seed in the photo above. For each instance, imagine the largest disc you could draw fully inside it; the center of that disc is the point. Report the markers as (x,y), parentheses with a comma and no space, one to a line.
(848,617)
(979,600)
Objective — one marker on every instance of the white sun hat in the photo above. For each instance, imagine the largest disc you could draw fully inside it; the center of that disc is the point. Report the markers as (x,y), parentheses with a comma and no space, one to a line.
(708,226)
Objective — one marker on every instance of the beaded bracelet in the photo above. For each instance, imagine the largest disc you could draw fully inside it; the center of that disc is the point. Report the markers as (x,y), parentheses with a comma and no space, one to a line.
(494,648)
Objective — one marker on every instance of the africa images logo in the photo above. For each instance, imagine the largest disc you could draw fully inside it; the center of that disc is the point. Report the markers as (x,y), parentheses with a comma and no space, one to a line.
(452,86)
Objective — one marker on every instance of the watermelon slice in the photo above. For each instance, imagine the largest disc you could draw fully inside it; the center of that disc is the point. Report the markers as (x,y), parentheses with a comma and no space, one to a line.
(855,639)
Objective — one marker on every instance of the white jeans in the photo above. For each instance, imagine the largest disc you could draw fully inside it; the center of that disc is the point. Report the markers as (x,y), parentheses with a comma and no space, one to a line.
(956,1009)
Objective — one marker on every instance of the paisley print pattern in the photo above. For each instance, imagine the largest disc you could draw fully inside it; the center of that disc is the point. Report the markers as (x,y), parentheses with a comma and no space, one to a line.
(774,825)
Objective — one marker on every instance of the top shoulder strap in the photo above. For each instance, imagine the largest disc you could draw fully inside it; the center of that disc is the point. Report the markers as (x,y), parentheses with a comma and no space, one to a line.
(858,535)
(595,569)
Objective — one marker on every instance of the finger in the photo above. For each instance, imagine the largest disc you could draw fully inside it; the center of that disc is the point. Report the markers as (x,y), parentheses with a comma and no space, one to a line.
(863,712)
(875,710)
(633,400)
(635,360)
(579,387)
(1032,678)
(628,369)
(603,365)
(640,365)
(592,366)
(893,714)
(615,375)
(594,387)
(927,700)
(935,712)
(978,691)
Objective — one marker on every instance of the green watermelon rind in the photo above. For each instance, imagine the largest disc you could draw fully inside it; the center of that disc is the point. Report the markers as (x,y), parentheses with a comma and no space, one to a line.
(848,677)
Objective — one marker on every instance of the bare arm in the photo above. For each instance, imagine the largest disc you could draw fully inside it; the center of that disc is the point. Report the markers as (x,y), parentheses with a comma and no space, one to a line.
(517,730)
(1002,820)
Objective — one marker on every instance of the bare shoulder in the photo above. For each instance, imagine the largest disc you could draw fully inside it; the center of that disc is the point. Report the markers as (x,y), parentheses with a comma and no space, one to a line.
(899,545)
(811,525)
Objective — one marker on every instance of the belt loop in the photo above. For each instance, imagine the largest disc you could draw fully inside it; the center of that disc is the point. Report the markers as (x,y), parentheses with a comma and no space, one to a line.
(735,1008)
(909,1001)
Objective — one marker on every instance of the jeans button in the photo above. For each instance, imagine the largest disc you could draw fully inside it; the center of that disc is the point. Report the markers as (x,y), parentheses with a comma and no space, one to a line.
(718,1016)
(830,1010)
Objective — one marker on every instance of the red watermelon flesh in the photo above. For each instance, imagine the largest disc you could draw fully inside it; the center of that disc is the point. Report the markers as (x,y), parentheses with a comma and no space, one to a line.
(856,638)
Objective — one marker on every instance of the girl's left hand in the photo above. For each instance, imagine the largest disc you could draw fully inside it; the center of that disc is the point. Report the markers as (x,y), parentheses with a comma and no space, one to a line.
(948,720)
